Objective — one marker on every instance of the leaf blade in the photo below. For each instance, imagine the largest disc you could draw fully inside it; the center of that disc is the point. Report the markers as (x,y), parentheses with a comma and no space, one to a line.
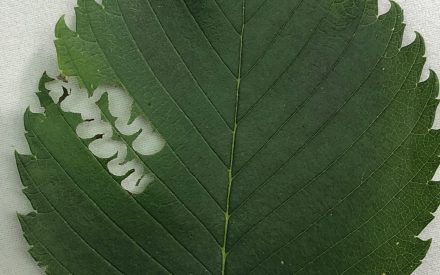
(294,141)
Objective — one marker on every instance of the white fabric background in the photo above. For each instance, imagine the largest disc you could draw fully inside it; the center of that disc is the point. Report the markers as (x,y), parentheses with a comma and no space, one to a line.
(26,50)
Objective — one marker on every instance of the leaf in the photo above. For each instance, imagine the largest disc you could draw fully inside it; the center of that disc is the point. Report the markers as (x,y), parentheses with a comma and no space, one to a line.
(297,136)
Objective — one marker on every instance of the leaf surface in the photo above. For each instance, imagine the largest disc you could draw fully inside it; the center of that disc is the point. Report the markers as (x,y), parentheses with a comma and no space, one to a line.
(297,137)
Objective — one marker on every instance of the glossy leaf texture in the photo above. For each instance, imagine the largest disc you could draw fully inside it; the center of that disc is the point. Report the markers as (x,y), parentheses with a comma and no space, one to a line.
(298,141)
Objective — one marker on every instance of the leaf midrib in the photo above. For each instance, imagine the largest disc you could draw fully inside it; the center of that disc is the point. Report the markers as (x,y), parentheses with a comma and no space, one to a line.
(234,136)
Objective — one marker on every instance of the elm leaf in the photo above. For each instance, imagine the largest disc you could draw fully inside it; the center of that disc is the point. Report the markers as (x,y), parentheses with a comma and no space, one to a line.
(298,141)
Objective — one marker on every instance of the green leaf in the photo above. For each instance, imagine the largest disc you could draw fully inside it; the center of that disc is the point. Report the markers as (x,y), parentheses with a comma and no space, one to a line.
(297,137)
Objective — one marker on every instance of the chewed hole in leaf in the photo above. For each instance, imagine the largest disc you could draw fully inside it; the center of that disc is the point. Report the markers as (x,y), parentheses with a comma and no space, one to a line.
(106,123)
(149,141)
